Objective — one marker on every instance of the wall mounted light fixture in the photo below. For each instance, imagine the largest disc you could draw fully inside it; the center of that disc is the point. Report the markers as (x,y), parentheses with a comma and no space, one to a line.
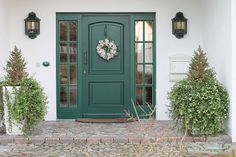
(32,25)
(179,25)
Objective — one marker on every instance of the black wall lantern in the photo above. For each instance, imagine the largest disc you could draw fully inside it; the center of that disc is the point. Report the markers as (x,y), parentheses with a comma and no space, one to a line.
(179,25)
(32,25)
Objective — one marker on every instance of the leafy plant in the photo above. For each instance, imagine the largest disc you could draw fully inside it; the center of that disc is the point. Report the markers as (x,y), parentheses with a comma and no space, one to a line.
(1,106)
(199,102)
(15,71)
(29,107)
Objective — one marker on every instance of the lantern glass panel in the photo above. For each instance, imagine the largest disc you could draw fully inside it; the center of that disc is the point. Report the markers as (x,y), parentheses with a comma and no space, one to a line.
(180,25)
(31,25)
(37,25)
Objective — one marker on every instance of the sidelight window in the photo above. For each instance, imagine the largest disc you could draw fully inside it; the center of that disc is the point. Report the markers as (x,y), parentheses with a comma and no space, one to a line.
(68,63)
(144,62)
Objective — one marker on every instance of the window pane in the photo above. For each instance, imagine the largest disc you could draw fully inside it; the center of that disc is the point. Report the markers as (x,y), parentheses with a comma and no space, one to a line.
(139,31)
(148,74)
(148,53)
(148,98)
(73,96)
(139,96)
(73,52)
(63,96)
(63,74)
(63,30)
(73,31)
(139,52)
(73,74)
(63,52)
(148,30)
(139,74)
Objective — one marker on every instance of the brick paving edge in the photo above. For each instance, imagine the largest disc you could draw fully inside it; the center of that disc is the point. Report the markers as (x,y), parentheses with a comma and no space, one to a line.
(95,140)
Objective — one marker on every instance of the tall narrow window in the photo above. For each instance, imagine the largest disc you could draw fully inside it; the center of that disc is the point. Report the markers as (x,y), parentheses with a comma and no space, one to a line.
(144,62)
(68,63)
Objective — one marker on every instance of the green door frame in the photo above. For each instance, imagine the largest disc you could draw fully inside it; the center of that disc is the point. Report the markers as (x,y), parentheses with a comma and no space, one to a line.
(71,113)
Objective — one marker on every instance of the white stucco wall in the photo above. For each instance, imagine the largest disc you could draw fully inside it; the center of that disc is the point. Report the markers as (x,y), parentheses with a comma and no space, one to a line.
(3,35)
(217,39)
(233,60)
(44,46)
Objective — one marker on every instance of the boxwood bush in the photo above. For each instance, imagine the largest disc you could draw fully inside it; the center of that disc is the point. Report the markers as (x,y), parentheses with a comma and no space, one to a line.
(199,102)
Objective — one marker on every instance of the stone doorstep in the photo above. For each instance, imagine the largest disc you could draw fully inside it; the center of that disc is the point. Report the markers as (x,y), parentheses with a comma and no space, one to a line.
(95,140)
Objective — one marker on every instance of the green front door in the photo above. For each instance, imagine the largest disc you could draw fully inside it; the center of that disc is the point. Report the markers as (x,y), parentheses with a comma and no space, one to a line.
(90,86)
(105,84)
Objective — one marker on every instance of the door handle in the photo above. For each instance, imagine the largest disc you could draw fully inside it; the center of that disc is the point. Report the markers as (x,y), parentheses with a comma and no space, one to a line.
(85,59)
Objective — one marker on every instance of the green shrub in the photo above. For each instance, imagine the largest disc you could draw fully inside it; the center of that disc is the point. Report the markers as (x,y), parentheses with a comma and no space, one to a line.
(1,105)
(29,107)
(199,104)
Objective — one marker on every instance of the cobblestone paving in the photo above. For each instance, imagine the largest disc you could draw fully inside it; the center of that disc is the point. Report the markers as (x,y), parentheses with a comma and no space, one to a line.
(71,128)
(67,138)
(115,149)
(69,131)
(152,128)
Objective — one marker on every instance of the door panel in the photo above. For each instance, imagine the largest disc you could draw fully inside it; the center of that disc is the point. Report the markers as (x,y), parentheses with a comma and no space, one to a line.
(106,87)
(115,32)
(109,96)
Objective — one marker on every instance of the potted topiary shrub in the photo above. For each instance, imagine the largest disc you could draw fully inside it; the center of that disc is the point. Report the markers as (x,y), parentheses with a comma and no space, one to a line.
(24,102)
(199,102)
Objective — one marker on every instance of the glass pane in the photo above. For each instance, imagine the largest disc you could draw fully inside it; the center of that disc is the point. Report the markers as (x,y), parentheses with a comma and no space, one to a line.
(148,53)
(63,30)
(73,31)
(139,96)
(148,30)
(63,52)
(63,96)
(63,74)
(73,52)
(139,74)
(73,74)
(148,98)
(139,31)
(139,52)
(148,74)
(73,96)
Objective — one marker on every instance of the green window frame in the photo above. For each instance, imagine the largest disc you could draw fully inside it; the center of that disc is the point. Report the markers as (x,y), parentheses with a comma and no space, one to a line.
(144,59)
(68,65)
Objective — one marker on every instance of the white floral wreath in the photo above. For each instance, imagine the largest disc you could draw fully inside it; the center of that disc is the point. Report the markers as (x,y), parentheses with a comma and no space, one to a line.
(107,49)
